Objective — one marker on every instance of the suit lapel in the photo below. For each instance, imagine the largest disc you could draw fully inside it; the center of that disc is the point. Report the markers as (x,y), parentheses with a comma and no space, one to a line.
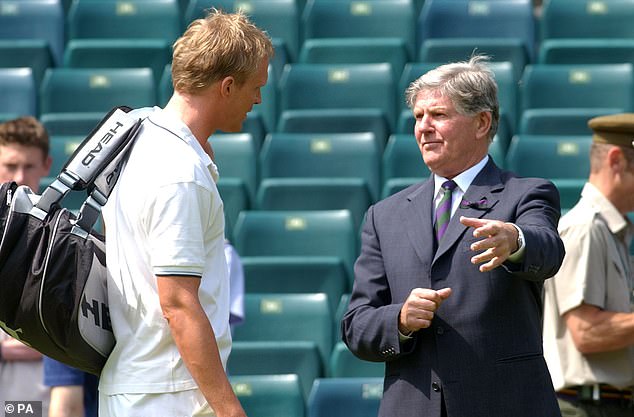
(480,199)
(421,232)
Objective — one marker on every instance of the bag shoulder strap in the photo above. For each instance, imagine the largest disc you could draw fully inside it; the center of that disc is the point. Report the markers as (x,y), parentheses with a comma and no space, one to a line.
(95,165)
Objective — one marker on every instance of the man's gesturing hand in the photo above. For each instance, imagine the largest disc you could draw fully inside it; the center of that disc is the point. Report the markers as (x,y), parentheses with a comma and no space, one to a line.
(499,241)
(419,308)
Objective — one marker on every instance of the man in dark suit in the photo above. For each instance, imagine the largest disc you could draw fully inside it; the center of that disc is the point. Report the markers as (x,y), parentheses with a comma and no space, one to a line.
(448,284)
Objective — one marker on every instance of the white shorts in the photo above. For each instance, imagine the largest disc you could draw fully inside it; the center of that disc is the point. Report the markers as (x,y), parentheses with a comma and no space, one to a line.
(190,403)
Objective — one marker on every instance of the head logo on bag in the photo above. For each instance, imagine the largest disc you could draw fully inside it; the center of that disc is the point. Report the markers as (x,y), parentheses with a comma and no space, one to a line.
(53,271)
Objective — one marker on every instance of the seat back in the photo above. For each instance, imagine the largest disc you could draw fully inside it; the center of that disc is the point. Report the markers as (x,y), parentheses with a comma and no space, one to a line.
(339,87)
(297,233)
(34,20)
(287,317)
(345,397)
(19,96)
(361,19)
(269,395)
(80,90)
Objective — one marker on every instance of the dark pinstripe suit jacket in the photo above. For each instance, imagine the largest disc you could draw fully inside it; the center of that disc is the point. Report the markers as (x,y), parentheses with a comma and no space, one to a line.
(483,351)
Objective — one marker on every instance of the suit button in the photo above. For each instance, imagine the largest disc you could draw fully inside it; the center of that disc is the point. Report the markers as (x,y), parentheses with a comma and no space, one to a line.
(440,330)
(435,386)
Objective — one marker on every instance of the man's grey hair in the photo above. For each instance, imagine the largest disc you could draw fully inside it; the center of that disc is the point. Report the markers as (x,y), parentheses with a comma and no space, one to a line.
(470,85)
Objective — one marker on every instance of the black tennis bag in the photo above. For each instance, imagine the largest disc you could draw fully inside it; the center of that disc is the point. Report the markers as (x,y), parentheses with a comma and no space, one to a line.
(53,294)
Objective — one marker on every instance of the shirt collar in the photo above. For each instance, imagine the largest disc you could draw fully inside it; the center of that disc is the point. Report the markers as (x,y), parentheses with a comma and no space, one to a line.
(613,218)
(168,121)
(464,179)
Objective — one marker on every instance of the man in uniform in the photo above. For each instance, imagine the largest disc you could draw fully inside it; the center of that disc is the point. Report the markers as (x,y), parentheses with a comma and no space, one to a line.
(588,317)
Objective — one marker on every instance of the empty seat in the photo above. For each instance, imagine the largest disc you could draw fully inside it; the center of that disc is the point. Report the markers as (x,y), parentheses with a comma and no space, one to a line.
(301,358)
(19,96)
(361,19)
(297,233)
(343,364)
(290,274)
(547,88)
(345,397)
(118,53)
(39,21)
(26,53)
(269,395)
(563,122)
(235,157)
(345,155)
(79,90)
(551,157)
(355,51)
(322,193)
(287,317)
(361,91)
(106,19)
(75,124)
(586,51)
(478,19)
(593,19)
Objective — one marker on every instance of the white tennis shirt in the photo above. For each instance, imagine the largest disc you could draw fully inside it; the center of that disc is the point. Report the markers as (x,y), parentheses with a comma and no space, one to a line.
(164,217)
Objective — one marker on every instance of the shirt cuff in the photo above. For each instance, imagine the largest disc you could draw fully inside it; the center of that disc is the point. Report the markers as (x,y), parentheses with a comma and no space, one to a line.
(518,255)
(404,337)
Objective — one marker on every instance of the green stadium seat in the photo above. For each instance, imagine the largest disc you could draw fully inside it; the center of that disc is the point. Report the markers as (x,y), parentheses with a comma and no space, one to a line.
(551,157)
(70,124)
(287,317)
(26,53)
(354,157)
(562,122)
(478,19)
(75,90)
(361,19)
(39,21)
(301,358)
(394,185)
(546,89)
(577,86)
(119,53)
(297,233)
(107,19)
(345,397)
(235,157)
(586,51)
(269,395)
(355,51)
(580,19)
(293,274)
(343,364)
(334,193)
(19,95)
(360,90)
(235,199)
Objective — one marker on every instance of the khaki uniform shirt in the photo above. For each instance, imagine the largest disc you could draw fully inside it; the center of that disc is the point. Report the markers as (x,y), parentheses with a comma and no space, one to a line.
(596,270)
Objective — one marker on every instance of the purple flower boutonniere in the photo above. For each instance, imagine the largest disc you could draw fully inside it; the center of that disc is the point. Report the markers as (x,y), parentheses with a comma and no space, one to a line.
(481,204)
